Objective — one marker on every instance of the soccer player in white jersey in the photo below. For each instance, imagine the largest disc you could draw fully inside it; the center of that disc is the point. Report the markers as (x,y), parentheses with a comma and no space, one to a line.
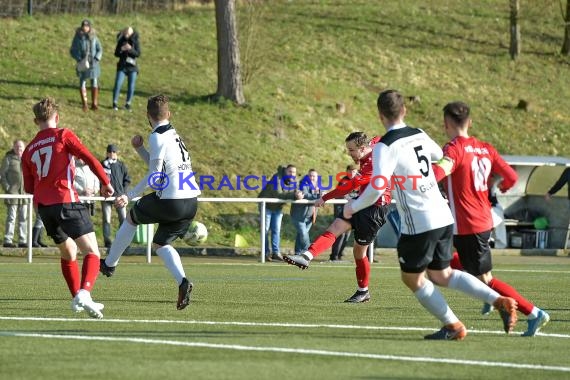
(402,159)
(172,205)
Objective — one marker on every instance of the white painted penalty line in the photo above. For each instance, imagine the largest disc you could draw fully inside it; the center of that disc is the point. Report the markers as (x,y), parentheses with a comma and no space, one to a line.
(236,347)
(260,324)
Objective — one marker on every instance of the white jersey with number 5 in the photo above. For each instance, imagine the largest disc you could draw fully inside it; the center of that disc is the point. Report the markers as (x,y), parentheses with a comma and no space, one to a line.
(403,159)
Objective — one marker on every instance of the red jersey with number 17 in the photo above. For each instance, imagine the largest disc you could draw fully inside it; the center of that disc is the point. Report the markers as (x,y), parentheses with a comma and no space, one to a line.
(467,189)
(48,166)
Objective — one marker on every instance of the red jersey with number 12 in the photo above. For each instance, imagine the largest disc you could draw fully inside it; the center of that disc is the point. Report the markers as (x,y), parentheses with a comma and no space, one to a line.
(467,189)
(48,166)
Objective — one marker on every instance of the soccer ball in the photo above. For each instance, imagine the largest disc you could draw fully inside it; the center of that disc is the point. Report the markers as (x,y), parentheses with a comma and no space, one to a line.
(197,233)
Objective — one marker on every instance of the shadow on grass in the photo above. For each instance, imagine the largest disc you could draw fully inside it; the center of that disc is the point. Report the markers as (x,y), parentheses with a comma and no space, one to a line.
(190,99)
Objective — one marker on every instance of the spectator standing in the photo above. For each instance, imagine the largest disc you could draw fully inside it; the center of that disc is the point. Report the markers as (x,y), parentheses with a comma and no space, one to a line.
(341,241)
(283,186)
(86,46)
(37,233)
(119,176)
(127,50)
(12,182)
(303,215)
(86,184)
(499,232)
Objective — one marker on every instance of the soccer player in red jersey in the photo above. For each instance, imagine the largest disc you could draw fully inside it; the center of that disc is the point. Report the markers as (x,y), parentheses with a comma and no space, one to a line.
(48,167)
(365,223)
(468,164)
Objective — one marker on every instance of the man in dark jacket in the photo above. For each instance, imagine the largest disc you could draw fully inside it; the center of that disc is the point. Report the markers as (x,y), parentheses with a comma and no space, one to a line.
(303,215)
(120,180)
(282,185)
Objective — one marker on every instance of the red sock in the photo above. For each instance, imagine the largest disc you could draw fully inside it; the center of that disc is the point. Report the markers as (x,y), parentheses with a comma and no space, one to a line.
(322,243)
(89,271)
(455,262)
(506,290)
(362,272)
(70,271)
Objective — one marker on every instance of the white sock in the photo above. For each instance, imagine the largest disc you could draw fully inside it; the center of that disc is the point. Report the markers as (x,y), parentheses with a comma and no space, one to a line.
(362,289)
(124,237)
(307,255)
(471,285)
(431,298)
(534,313)
(172,262)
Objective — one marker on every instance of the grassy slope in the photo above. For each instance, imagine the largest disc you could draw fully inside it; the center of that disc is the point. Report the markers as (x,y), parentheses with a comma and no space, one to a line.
(310,55)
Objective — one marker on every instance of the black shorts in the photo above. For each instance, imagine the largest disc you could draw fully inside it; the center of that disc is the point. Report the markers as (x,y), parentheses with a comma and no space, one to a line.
(430,249)
(474,252)
(65,220)
(172,215)
(366,223)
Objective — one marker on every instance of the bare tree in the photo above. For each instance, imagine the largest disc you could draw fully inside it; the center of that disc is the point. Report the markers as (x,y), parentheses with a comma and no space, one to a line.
(229,76)
(515,46)
(566,15)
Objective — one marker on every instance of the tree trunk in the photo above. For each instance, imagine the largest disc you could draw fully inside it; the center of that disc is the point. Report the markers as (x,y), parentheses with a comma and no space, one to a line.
(515,48)
(229,75)
(566,44)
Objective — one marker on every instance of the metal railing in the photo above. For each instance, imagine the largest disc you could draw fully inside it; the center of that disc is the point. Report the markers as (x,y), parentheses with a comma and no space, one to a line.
(149,230)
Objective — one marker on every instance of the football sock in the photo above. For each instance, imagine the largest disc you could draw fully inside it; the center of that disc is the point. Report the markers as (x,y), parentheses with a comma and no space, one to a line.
(124,237)
(89,271)
(455,262)
(362,272)
(172,262)
(322,243)
(506,290)
(534,313)
(471,285)
(432,300)
(70,271)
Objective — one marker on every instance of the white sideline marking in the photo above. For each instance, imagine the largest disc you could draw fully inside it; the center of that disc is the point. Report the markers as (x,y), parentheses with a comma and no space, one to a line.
(261,324)
(376,265)
(236,347)
(326,265)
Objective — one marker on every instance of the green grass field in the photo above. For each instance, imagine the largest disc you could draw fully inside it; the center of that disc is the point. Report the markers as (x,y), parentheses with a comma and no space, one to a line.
(254,321)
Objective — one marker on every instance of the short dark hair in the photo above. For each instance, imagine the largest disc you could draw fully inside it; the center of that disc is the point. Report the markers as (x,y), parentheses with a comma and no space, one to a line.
(457,111)
(359,138)
(390,104)
(157,107)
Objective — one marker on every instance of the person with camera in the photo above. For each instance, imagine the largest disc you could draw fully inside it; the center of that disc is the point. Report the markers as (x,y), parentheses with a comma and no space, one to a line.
(127,50)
